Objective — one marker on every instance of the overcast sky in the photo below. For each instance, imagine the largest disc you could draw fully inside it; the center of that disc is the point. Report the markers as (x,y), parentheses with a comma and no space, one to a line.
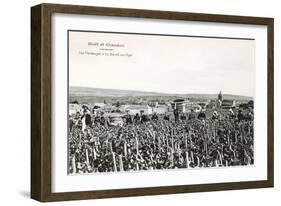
(166,64)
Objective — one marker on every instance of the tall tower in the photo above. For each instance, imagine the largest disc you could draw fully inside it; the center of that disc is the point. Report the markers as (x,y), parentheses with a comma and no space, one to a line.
(220,97)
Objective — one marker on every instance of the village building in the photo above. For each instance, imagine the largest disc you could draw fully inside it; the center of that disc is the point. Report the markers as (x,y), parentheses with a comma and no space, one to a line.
(227,104)
(136,109)
(160,109)
(182,105)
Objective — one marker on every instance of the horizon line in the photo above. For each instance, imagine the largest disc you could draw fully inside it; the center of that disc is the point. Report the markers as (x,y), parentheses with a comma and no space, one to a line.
(175,93)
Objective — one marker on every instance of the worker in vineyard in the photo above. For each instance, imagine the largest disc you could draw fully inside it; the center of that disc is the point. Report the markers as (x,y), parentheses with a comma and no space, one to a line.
(250,115)
(154,117)
(201,115)
(88,118)
(166,117)
(144,117)
(128,118)
(191,116)
(240,115)
(79,124)
(183,117)
(71,123)
(176,114)
(103,120)
(231,114)
(215,115)
(97,118)
(137,118)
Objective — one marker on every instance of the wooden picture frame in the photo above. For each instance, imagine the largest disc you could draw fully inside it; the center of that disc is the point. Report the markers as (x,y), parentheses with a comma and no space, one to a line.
(41,98)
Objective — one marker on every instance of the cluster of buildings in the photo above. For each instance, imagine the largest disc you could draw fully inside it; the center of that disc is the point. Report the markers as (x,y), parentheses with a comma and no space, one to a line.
(182,104)
(126,109)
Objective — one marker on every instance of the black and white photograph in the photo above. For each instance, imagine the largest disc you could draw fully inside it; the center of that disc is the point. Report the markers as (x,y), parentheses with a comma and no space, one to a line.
(141,102)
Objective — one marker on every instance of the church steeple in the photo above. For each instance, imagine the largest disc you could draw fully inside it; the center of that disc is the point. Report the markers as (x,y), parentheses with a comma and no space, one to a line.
(220,97)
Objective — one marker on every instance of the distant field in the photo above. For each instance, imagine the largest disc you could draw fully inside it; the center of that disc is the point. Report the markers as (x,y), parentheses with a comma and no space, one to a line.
(94,95)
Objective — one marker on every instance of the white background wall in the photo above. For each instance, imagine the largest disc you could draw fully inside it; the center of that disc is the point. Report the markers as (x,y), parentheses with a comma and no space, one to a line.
(15,102)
